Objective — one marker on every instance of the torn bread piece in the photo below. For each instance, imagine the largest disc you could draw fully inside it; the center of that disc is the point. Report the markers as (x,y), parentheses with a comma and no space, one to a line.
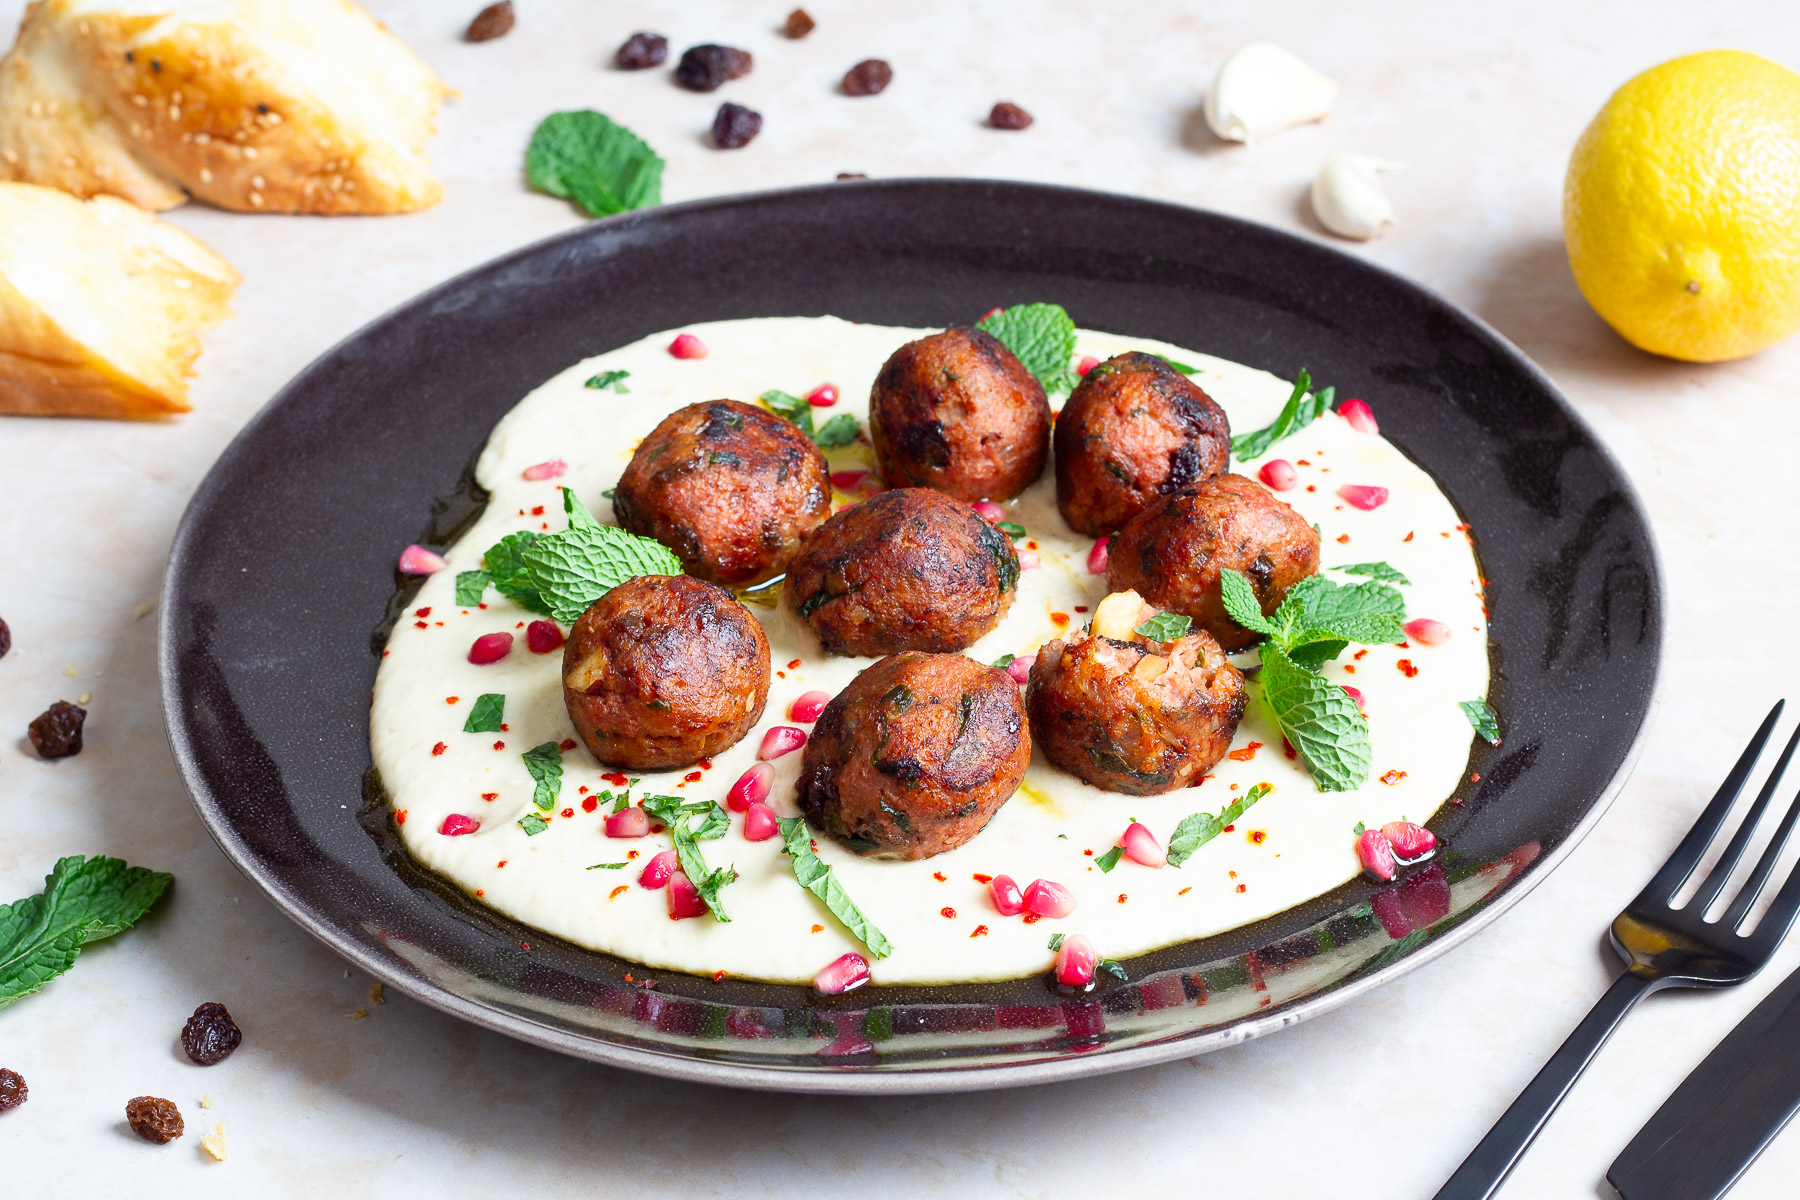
(289,106)
(101,306)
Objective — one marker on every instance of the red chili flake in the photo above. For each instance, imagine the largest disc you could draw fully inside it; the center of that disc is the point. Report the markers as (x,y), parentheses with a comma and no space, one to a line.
(590,803)
(781,674)
(499,745)
(490,796)
(1408,536)
(1184,891)
(1258,836)
(1358,656)
(1287,748)
(1228,829)
(982,878)
(947,912)
(451,699)
(400,817)
(1301,462)
(818,929)
(1349,669)
(500,864)
(1475,777)
(385,653)
(939,876)
(1443,534)
(1089,853)
(1059,619)
(422,612)
(1343,539)
(505,728)
(421,625)
(618,891)
(1264,1002)
(438,749)
(1312,487)
(479,893)
(1246,754)
(1406,668)
(693,777)
(794,665)
(568,812)
(1393,777)
(1242,887)
(567,743)
(538,511)
(705,764)
(616,778)
(718,976)
(1031,918)
(631,854)
(1123,897)
(980,931)
(1032,545)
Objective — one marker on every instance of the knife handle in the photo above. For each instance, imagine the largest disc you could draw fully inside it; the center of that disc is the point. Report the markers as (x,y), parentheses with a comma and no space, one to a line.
(1488,1165)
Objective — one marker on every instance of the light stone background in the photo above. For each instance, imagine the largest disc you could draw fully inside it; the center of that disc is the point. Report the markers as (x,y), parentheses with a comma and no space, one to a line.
(1380,1099)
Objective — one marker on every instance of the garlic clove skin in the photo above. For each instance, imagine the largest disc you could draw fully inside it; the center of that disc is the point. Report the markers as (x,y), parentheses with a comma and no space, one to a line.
(1347,196)
(1263,89)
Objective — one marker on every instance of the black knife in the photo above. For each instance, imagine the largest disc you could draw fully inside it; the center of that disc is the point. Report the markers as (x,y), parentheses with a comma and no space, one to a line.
(1715,1124)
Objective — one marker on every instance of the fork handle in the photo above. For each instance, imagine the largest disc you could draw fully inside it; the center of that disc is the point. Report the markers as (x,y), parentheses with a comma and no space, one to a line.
(1488,1165)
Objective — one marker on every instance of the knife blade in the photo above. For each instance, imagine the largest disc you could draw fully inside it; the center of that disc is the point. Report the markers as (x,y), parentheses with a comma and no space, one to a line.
(1712,1127)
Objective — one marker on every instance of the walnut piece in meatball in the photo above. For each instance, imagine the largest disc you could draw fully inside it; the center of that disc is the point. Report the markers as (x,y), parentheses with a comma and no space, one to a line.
(1134,430)
(915,756)
(1172,552)
(731,488)
(664,670)
(958,412)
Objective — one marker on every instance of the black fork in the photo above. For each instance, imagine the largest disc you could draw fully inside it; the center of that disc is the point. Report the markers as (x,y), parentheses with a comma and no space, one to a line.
(1663,946)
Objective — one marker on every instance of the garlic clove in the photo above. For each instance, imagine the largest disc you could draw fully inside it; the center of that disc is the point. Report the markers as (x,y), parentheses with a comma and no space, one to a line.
(1263,89)
(1347,196)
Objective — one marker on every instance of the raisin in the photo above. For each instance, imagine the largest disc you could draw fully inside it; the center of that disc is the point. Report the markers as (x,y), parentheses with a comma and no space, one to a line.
(210,1035)
(5,639)
(799,24)
(843,175)
(1009,116)
(642,50)
(734,126)
(706,68)
(868,77)
(496,20)
(154,1119)
(12,1090)
(57,732)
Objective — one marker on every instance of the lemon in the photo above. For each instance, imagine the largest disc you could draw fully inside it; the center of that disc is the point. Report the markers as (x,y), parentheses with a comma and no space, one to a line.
(1681,210)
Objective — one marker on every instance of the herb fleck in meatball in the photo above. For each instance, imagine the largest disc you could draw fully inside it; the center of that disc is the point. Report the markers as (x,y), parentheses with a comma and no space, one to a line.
(915,756)
(664,670)
(1171,553)
(731,488)
(909,569)
(1134,430)
(957,411)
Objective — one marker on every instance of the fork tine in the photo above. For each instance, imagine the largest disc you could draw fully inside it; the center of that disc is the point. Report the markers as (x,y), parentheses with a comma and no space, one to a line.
(1662,888)
(1721,872)
(1780,917)
(1734,916)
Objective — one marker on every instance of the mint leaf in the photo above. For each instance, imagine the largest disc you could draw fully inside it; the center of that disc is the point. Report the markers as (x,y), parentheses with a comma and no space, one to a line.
(1325,604)
(1106,862)
(613,380)
(1482,716)
(1165,627)
(1303,407)
(608,866)
(1056,941)
(1380,572)
(1319,720)
(579,516)
(819,879)
(486,714)
(544,762)
(469,586)
(1241,603)
(533,824)
(1004,661)
(841,430)
(576,567)
(1179,368)
(505,562)
(84,900)
(1011,529)
(1199,828)
(1314,649)
(1042,336)
(792,408)
(1111,967)
(586,157)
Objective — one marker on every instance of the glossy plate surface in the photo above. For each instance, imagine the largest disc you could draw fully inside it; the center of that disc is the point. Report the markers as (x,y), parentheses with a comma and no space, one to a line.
(266,687)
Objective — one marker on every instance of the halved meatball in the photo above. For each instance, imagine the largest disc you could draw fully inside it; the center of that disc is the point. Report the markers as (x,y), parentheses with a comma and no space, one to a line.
(1134,430)
(664,670)
(915,756)
(957,411)
(1172,552)
(909,569)
(731,488)
(1128,713)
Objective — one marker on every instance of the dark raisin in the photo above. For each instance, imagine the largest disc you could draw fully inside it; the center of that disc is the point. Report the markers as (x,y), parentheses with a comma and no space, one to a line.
(1009,116)
(706,68)
(210,1035)
(799,24)
(57,732)
(642,50)
(868,77)
(842,175)
(154,1119)
(734,126)
(12,1090)
(5,639)
(496,20)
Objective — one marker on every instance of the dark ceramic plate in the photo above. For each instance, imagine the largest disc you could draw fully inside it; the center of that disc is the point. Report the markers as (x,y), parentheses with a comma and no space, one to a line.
(267,693)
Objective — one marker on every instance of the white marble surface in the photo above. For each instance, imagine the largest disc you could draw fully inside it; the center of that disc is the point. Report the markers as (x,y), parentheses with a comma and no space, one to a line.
(1380,1099)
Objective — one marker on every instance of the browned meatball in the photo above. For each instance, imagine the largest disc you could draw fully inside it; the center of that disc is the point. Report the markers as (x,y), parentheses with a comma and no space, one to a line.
(957,411)
(909,569)
(664,670)
(915,756)
(1172,552)
(1134,430)
(1132,714)
(731,488)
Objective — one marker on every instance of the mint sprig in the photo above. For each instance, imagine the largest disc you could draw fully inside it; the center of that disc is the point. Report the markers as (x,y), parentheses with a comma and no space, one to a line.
(1042,336)
(487,713)
(587,157)
(841,430)
(1303,407)
(819,879)
(570,570)
(1199,828)
(676,816)
(1483,718)
(84,900)
(1319,719)
(544,763)
(506,570)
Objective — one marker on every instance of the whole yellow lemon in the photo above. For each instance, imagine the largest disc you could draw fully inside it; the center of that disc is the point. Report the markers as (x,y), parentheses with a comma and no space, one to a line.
(1681,210)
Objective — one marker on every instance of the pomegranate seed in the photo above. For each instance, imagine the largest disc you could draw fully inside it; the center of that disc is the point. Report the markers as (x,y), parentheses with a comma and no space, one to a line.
(1075,961)
(1046,899)
(752,787)
(1427,631)
(657,871)
(759,823)
(1376,854)
(1141,846)
(1008,900)
(632,823)
(1098,556)
(1088,362)
(842,974)
(1279,474)
(1020,668)
(823,396)
(455,825)
(808,707)
(1355,694)
(1028,560)
(1410,842)
(845,480)
(1360,416)
(686,345)
(541,637)
(417,560)
(780,740)
(989,511)
(1364,497)
(546,470)
(490,648)
(684,898)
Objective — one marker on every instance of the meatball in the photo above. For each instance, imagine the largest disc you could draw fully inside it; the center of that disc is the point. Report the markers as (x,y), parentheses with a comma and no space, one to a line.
(909,569)
(957,411)
(915,756)
(1134,430)
(1128,713)
(1172,552)
(731,488)
(664,670)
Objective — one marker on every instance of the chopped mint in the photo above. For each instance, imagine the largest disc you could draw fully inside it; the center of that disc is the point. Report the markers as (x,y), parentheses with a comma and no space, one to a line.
(1106,862)
(610,380)
(1197,829)
(608,866)
(841,430)
(1303,407)
(486,714)
(544,762)
(1482,716)
(533,824)
(469,586)
(821,881)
